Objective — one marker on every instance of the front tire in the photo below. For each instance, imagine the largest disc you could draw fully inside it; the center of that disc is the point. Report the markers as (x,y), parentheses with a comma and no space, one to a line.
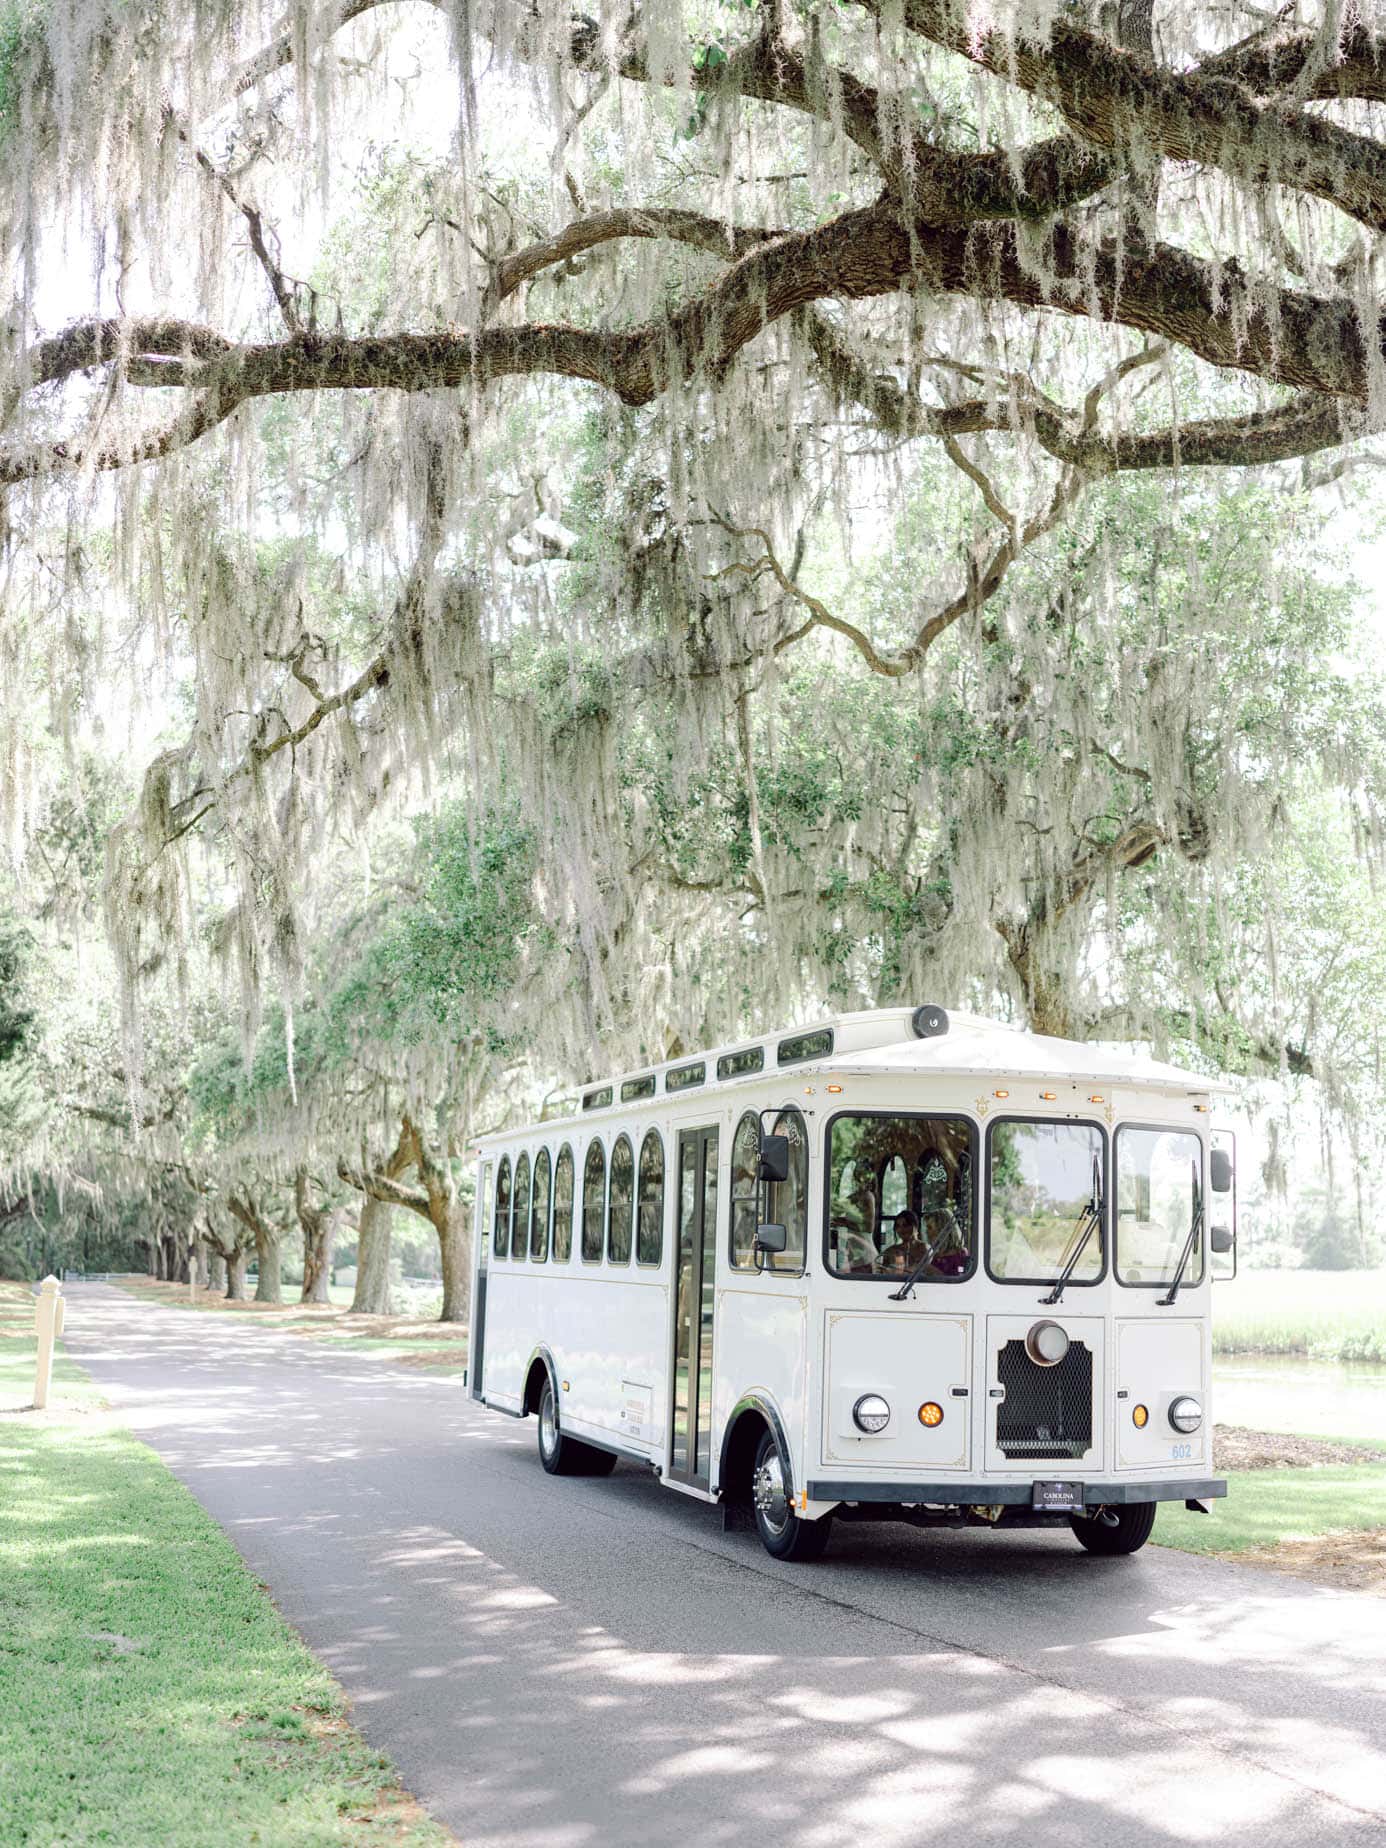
(1125,1531)
(565,1456)
(782,1533)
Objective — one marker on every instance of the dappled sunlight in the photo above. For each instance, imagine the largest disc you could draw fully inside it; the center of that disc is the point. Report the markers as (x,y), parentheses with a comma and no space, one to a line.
(1198,1798)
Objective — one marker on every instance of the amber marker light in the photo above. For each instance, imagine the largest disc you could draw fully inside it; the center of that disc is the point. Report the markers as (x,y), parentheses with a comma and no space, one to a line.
(1048,1097)
(1140,1417)
(835,1090)
(1000,1093)
(930,1414)
(1096,1098)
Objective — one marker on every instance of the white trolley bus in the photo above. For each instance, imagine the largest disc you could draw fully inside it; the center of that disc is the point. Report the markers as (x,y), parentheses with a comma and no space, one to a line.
(891,1266)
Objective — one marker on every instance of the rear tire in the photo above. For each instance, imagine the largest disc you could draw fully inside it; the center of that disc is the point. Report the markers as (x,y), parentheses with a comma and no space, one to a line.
(1130,1532)
(565,1456)
(782,1533)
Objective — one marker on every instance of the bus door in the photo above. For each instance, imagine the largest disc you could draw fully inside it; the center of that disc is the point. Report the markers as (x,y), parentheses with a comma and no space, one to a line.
(695,1261)
(484,1208)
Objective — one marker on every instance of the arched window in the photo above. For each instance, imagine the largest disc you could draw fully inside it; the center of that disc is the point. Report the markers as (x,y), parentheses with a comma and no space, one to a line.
(649,1230)
(593,1202)
(563,1206)
(621,1202)
(539,1210)
(788,1199)
(745,1191)
(500,1237)
(520,1219)
(894,1188)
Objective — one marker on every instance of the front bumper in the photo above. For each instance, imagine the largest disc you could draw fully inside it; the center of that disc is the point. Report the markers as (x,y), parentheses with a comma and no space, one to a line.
(992,1494)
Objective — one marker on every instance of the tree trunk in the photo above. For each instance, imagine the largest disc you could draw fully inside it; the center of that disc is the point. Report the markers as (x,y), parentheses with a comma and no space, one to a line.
(267,1238)
(319,1225)
(455,1245)
(317,1262)
(268,1288)
(216,1269)
(373,1259)
(235,1274)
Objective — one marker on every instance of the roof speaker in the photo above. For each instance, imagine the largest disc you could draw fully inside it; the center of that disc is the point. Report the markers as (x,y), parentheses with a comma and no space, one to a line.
(929,1022)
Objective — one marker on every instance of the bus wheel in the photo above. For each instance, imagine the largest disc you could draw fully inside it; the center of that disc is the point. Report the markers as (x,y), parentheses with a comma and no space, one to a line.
(565,1456)
(1116,1530)
(783,1534)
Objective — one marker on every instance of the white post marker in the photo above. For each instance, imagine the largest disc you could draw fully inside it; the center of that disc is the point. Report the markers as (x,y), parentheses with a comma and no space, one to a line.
(48,1324)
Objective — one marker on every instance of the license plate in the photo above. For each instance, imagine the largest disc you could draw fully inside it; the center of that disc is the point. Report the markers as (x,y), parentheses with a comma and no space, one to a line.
(1057,1497)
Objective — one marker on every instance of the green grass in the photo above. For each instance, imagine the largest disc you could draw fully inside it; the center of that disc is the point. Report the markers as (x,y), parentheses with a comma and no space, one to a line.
(149,1691)
(1266,1506)
(1327,1315)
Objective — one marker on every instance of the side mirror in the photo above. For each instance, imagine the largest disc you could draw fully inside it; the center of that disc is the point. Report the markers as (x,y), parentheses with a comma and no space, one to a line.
(1220,1172)
(774,1159)
(771,1238)
(1220,1239)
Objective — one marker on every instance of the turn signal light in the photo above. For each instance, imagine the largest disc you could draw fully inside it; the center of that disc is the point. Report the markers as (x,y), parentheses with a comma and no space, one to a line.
(930,1414)
(1140,1417)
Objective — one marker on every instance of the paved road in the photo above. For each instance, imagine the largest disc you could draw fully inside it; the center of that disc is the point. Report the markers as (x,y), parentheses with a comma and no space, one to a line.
(554,1664)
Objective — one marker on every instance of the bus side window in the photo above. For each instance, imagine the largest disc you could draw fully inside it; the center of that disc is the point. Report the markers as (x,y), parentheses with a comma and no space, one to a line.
(563,1206)
(620,1202)
(788,1199)
(539,1210)
(593,1202)
(649,1234)
(519,1234)
(500,1243)
(745,1192)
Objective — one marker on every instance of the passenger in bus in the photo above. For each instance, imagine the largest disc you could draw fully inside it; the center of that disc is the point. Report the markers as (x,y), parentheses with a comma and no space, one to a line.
(948,1243)
(907,1250)
(856,1249)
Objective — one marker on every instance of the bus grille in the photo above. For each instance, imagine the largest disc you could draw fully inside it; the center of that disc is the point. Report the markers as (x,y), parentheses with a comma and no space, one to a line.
(1047,1411)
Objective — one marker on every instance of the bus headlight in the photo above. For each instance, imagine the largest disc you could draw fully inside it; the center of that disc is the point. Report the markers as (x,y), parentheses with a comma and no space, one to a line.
(871,1413)
(1046,1344)
(1185,1414)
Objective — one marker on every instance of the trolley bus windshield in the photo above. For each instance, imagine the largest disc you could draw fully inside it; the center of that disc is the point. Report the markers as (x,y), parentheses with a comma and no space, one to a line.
(1158,1198)
(900,1196)
(1042,1197)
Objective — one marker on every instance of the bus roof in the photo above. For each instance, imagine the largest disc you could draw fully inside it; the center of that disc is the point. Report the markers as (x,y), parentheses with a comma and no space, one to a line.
(883,1041)
(975,1048)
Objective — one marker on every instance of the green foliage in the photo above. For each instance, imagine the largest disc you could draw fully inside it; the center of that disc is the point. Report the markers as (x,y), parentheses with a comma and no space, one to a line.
(22,30)
(1323,1315)
(398,974)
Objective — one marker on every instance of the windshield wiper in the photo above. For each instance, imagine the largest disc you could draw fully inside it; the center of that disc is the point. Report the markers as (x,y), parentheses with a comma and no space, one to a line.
(906,1289)
(1088,1221)
(1190,1243)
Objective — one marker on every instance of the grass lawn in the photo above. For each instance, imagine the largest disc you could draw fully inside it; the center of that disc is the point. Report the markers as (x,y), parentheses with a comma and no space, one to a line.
(149,1691)
(1266,1507)
(1330,1315)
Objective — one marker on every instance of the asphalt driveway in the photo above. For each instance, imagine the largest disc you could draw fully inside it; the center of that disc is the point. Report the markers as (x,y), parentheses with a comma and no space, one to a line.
(558,1663)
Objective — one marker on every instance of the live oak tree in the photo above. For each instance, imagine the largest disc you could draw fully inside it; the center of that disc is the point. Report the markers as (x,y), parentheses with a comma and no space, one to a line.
(410,451)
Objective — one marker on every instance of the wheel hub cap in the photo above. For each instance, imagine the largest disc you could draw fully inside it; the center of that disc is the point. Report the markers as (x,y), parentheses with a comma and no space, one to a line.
(767,1492)
(548,1425)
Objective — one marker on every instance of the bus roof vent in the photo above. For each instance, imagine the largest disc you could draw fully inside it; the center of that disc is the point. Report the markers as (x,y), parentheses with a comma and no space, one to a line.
(929,1021)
